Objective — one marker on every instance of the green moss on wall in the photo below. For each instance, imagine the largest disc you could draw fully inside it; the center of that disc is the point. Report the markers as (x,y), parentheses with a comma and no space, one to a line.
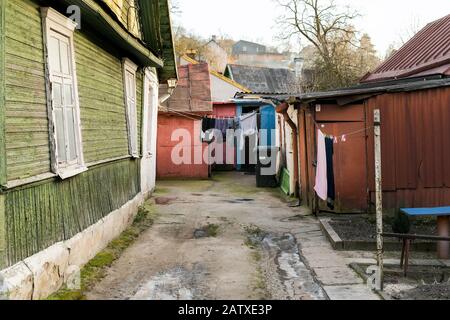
(2,233)
(39,216)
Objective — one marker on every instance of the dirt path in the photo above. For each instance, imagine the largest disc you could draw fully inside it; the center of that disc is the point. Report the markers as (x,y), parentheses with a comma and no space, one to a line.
(220,239)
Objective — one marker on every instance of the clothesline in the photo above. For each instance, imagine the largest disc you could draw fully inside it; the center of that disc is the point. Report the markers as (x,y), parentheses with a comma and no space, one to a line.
(342,137)
(184,115)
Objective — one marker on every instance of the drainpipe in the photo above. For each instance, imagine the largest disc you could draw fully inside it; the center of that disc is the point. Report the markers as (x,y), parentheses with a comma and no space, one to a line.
(283,109)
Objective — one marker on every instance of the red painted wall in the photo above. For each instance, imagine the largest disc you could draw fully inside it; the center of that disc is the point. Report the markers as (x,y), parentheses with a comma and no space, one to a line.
(224,109)
(165,168)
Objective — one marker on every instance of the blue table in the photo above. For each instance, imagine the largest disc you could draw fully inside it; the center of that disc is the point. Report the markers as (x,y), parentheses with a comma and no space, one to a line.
(443,224)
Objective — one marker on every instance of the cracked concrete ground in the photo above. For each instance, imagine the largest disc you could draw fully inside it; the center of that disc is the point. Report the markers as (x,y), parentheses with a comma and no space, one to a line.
(291,258)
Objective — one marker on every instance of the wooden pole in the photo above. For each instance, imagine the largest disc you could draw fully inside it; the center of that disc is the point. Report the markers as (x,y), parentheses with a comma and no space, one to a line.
(379,199)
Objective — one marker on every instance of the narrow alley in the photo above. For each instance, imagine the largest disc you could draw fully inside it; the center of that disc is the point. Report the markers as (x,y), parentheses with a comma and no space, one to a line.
(226,239)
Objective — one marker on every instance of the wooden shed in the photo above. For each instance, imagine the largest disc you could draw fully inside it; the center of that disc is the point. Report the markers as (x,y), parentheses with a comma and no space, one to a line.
(415,144)
(412,90)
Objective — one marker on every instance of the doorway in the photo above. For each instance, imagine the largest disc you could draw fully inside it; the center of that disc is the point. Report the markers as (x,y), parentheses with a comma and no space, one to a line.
(149,133)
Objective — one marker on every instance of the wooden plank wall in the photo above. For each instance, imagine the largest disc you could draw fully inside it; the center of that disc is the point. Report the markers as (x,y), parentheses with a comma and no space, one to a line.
(39,216)
(2,95)
(101,92)
(102,102)
(27,142)
(42,214)
(2,135)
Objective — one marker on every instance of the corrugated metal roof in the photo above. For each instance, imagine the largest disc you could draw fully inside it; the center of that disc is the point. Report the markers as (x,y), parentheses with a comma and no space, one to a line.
(193,92)
(263,79)
(427,53)
(363,89)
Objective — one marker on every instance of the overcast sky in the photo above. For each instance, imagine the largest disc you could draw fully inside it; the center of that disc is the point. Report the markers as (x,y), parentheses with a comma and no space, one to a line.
(384,20)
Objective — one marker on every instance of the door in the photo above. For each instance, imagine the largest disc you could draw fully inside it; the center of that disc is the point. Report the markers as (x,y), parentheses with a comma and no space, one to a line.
(350,158)
(149,132)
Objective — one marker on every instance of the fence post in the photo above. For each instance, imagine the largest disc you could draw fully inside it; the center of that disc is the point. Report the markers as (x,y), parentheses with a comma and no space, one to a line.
(379,198)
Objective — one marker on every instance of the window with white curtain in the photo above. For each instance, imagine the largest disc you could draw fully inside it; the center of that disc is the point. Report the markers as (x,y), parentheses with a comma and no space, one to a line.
(66,133)
(129,69)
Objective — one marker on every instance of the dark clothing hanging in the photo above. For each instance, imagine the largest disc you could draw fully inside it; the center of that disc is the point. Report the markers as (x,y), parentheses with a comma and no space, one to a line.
(208,124)
(331,194)
(222,126)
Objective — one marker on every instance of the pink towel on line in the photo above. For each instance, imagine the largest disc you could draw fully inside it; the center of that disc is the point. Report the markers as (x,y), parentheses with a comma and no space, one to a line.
(321,187)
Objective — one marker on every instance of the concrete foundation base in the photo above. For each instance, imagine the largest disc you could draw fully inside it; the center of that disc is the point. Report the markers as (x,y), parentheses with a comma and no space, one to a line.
(45,272)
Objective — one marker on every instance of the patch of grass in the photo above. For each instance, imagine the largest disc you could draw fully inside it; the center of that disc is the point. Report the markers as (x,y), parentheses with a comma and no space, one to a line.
(254,236)
(212,230)
(256,255)
(95,270)
(259,280)
(161,191)
(260,285)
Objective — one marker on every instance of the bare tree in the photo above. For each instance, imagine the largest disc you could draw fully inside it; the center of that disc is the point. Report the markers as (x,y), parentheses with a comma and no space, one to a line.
(410,31)
(328,28)
(174,6)
(318,21)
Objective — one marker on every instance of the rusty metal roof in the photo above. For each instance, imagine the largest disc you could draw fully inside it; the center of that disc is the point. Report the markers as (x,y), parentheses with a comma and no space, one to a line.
(193,92)
(427,53)
(362,90)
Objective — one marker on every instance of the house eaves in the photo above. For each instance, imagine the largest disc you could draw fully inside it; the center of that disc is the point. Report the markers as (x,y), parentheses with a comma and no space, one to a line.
(98,18)
(157,31)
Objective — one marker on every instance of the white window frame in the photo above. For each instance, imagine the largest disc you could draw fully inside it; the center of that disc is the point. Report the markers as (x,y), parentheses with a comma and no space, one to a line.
(54,22)
(132,124)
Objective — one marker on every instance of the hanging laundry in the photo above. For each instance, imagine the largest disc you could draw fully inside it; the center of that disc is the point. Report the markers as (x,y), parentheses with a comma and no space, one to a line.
(230,123)
(331,192)
(249,127)
(222,126)
(321,186)
(208,124)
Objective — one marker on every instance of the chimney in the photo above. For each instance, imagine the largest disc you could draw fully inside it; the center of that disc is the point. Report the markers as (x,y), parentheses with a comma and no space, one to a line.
(192,54)
(298,63)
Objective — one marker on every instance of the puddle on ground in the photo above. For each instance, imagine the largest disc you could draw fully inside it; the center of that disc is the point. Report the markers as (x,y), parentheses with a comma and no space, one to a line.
(297,279)
(298,217)
(175,284)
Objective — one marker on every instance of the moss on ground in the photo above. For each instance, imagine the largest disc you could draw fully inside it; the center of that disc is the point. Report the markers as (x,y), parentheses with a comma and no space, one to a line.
(259,284)
(192,185)
(159,191)
(95,270)
(254,236)
(212,230)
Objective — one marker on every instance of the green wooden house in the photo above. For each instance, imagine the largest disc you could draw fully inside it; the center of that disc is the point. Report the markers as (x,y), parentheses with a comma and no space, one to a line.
(80,82)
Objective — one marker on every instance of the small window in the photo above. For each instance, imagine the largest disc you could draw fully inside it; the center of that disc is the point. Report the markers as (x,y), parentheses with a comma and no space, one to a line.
(129,69)
(67,153)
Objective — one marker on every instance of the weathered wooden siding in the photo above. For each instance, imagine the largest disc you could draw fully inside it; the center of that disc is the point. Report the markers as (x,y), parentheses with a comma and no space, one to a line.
(139,106)
(2,233)
(2,96)
(2,135)
(126,12)
(36,216)
(102,102)
(101,92)
(27,146)
(39,216)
